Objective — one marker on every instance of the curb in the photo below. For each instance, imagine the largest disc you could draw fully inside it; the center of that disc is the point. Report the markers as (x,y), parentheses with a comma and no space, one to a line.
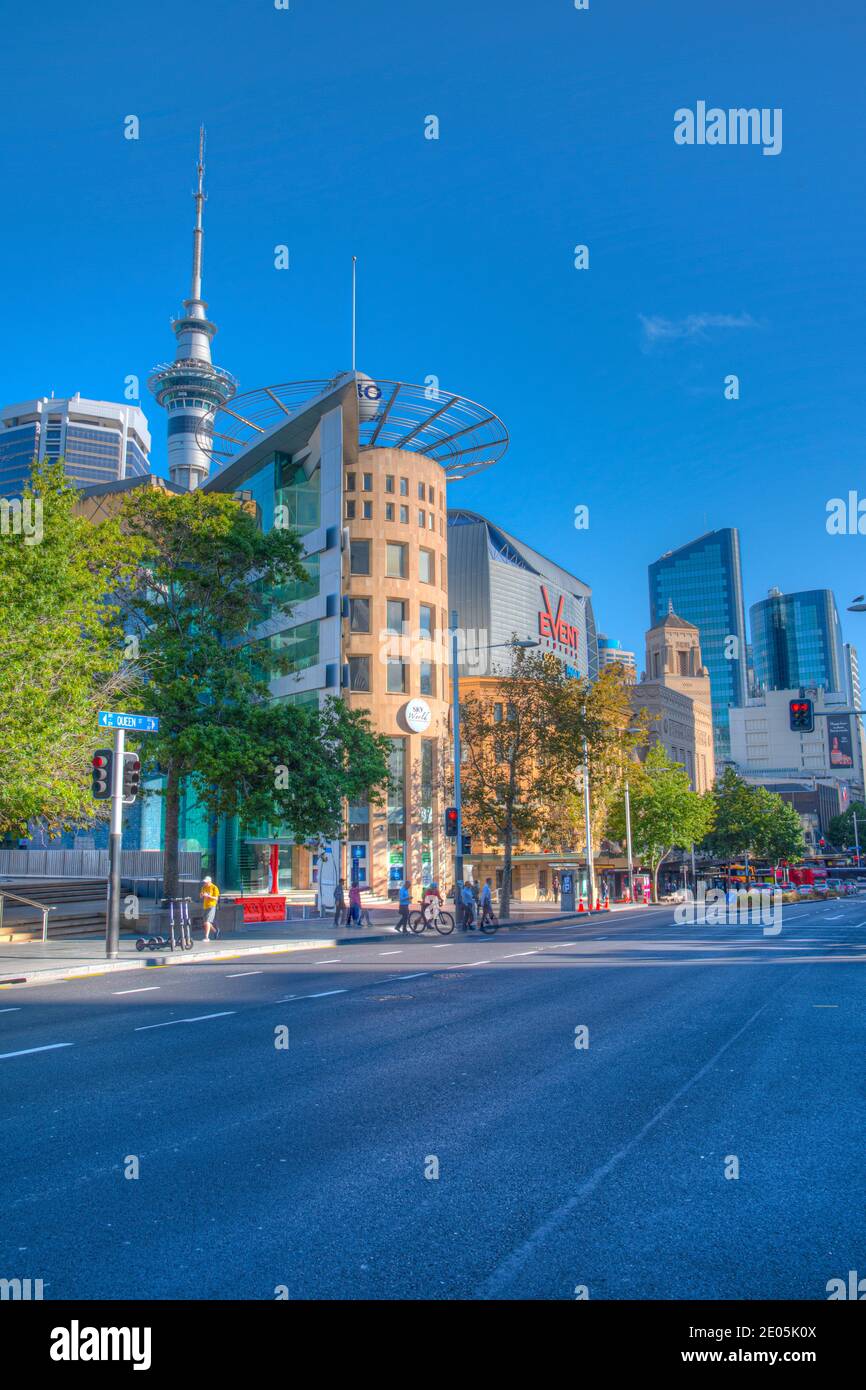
(150,962)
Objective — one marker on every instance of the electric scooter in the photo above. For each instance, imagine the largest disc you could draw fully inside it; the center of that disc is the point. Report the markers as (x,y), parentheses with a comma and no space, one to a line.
(182,940)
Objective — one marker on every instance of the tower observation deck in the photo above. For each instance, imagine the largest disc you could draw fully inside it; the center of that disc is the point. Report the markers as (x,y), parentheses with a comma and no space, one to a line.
(191,388)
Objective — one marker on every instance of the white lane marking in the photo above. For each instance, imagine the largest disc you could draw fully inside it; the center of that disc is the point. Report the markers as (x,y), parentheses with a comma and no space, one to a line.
(328,960)
(324,994)
(441,946)
(16,1010)
(25,1051)
(520,953)
(411,977)
(479,962)
(286,998)
(240,975)
(199,1018)
(391,953)
(837,917)
(142,989)
(505,1272)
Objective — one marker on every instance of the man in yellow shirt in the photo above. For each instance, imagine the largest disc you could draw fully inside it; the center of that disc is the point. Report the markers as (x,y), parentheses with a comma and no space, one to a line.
(210,896)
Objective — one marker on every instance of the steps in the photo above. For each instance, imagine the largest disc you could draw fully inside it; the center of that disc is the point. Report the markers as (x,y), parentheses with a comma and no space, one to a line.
(78,908)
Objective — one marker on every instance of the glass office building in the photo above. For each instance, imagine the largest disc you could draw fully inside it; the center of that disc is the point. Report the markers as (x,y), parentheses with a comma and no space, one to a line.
(99,441)
(797,641)
(702,581)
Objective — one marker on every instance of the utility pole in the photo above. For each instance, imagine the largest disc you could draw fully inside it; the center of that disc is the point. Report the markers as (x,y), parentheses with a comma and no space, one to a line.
(628,842)
(856,837)
(455,721)
(112,924)
(590,889)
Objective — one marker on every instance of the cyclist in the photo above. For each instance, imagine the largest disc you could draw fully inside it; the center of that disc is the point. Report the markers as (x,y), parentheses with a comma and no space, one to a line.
(431,903)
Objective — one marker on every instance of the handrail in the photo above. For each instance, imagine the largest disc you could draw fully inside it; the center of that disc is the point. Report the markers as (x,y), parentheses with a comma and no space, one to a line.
(44,908)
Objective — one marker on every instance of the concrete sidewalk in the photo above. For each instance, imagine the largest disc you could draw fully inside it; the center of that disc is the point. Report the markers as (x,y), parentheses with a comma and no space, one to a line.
(35,962)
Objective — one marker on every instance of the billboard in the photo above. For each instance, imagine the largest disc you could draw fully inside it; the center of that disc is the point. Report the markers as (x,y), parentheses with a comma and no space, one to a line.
(840,740)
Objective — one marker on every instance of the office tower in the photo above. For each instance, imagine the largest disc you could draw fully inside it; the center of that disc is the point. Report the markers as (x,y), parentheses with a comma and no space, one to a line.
(100,441)
(702,582)
(797,641)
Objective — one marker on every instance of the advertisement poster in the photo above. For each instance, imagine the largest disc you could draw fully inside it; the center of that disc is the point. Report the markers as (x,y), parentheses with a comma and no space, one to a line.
(839,737)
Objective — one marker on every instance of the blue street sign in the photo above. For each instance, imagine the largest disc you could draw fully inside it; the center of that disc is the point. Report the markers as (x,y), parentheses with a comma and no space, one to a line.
(139,723)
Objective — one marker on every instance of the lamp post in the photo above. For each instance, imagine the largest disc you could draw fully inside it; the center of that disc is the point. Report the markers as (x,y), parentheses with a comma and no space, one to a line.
(455,727)
(628,843)
(590,877)
(856,837)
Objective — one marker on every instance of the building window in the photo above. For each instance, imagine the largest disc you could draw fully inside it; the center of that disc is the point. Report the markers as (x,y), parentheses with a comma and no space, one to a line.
(396,785)
(431,521)
(396,616)
(389,511)
(420,492)
(404,516)
(350,509)
(426,620)
(426,567)
(396,678)
(368,511)
(428,682)
(368,482)
(389,482)
(497,713)
(350,482)
(395,560)
(404,487)
(359,673)
(359,557)
(421,517)
(359,615)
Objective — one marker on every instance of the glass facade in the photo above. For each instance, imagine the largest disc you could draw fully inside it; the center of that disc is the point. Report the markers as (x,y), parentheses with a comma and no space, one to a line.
(702,582)
(797,640)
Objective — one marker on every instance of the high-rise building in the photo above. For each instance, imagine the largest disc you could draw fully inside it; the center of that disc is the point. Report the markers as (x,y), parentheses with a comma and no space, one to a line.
(855,696)
(797,640)
(702,582)
(191,388)
(612,653)
(100,441)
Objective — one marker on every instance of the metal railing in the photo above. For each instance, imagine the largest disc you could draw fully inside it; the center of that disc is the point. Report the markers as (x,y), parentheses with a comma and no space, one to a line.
(44,908)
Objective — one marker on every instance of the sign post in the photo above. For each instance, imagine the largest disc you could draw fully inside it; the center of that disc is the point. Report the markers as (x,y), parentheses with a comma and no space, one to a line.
(140,723)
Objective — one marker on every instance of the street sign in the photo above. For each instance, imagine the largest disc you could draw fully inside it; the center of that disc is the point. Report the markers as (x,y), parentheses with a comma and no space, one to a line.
(137,723)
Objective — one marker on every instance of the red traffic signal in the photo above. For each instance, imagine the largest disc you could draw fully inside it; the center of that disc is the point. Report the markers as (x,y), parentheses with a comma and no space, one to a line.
(451,822)
(801,715)
(102,764)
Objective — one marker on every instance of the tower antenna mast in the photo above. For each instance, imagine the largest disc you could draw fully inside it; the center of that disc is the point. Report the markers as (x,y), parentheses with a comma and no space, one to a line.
(354,304)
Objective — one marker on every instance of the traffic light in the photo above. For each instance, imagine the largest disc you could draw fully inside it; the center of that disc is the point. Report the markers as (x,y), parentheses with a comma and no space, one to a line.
(102,764)
(802,716)
(451,822)
(131,777)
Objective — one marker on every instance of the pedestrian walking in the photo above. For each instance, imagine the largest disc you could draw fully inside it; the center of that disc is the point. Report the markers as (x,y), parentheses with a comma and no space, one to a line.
(354,904)
(404,899)
(556,888)
(339,903)
(468,901)
(486,903)
(210,896)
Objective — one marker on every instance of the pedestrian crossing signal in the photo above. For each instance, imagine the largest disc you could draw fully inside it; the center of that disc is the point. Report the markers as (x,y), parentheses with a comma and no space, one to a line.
(802,716)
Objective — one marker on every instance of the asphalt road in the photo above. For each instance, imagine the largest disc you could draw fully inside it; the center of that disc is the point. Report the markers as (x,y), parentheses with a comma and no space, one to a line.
(306,1167)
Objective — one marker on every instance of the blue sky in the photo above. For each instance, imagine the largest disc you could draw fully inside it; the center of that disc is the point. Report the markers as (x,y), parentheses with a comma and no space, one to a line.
(556,128)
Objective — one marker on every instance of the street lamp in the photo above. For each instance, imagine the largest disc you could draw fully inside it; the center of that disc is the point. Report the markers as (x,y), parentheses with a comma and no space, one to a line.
(524,644)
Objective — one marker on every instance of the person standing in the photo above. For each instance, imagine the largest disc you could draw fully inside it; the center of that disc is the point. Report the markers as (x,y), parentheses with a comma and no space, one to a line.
(339,903)
(556,888)
(468,902)
(210,896)
(405,898)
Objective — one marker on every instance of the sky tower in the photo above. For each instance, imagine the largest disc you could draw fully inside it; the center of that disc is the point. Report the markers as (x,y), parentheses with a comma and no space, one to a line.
(191,387)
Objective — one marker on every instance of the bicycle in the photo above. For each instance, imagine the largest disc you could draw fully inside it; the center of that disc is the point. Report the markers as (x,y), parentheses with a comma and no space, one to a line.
(442,921)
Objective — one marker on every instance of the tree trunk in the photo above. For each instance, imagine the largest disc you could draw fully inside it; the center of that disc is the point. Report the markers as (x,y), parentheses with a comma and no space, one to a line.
(656,881)
(171,878)
(505,895)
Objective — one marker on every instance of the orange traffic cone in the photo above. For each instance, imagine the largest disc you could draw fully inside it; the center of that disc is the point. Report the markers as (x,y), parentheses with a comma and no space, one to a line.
(580,906)
(607,902)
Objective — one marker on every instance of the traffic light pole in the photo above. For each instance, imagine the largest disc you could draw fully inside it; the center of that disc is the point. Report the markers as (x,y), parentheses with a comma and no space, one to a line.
(455,720)
(112,923)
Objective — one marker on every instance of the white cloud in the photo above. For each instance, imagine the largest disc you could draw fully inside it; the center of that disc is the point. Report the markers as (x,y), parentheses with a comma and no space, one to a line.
(657,329)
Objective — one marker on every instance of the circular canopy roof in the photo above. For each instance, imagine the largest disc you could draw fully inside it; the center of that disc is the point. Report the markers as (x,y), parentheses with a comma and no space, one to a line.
(459,434)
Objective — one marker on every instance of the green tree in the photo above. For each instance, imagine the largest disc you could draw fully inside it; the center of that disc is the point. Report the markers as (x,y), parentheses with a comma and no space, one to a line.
(521,748)
(737,818)
(841,828)
(665,813)
(204,576)
(61,651)
(778,833)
